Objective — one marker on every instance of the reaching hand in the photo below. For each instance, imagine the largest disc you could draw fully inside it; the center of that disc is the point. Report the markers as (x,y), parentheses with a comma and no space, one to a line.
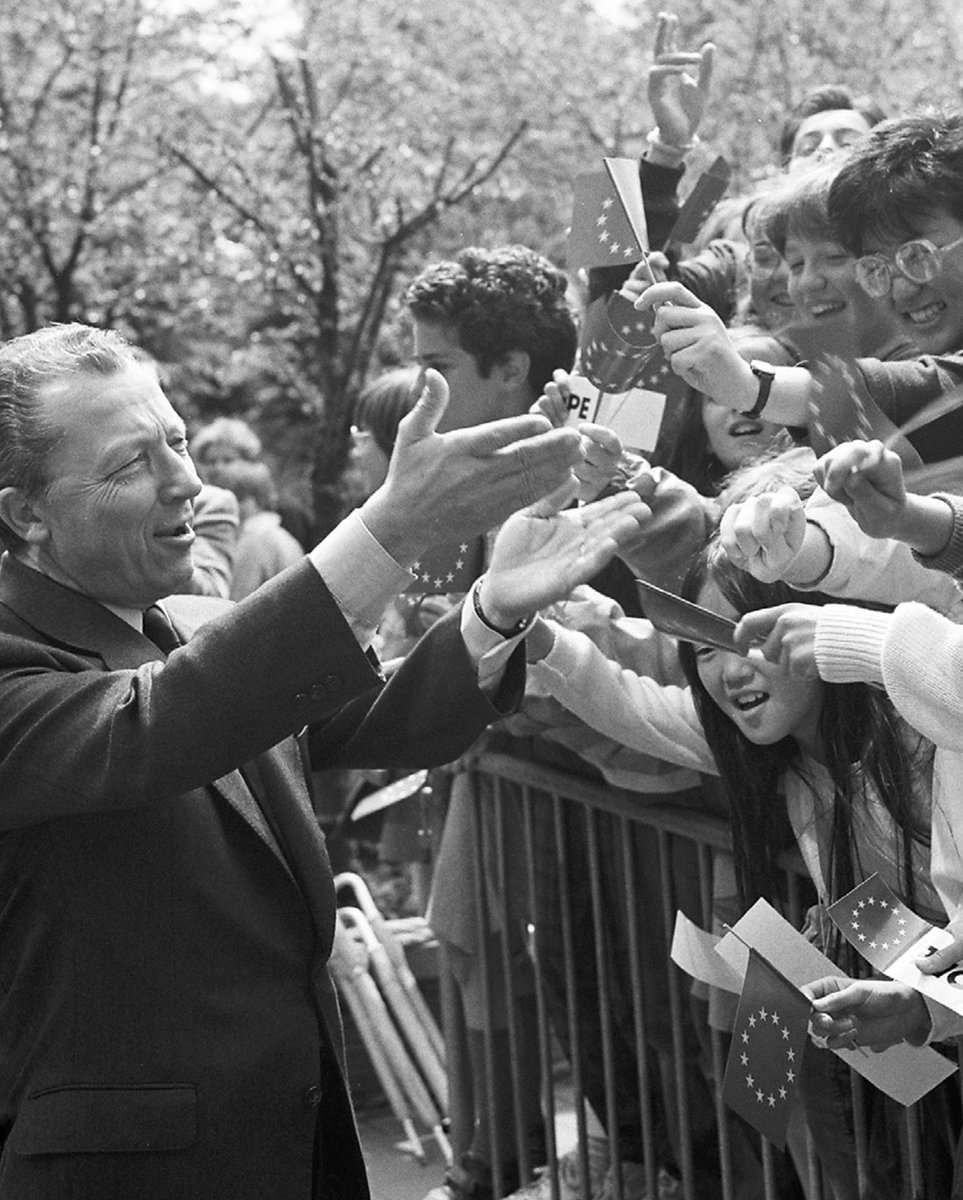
(544,551)
(676,97)
(785,634)
(867,1012)
(697,345)
(444,487)
(601,447)
(764,534)
(868,479)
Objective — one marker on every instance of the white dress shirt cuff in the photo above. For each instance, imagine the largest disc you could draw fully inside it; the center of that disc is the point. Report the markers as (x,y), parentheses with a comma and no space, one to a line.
(488,650)
(360,574)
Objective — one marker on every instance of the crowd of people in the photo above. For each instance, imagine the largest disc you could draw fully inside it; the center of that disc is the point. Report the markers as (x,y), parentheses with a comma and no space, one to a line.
(178,668)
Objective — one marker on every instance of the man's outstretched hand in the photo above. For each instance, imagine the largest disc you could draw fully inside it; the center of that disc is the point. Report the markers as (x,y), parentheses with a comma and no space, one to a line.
(443,487)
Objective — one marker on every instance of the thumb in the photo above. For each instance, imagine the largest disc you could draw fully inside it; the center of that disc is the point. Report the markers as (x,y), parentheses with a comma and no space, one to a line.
(427,412)
(942,959)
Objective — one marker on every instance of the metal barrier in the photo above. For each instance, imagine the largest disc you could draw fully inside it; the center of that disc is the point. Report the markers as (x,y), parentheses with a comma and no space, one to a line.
(562,864)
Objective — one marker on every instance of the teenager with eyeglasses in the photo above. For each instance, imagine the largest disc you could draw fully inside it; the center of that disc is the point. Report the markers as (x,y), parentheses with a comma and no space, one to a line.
(897,205)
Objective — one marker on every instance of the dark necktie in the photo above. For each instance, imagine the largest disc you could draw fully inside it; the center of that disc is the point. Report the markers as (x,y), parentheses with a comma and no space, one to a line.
(159,629)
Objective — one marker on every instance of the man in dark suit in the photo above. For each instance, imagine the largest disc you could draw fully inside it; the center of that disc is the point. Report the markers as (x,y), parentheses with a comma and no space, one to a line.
(168,1029)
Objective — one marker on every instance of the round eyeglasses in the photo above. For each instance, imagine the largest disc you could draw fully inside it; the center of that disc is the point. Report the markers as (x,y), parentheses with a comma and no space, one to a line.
(918,261)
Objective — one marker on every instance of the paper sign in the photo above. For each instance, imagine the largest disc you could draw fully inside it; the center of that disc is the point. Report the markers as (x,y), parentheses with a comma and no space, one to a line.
(694,950)
(635,415)
(904,1072)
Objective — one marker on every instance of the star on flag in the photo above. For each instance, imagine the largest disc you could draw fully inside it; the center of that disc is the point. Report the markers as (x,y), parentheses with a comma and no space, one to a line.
(608,219)
(769,1036)
(619,352)
(877,923)
(452,567)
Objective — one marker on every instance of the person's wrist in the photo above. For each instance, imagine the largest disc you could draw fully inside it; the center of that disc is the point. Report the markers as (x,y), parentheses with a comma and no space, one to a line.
(743,392)
(667,151)
(926,524)
(813,560)
(921,1023)
(393,527)
(507,621)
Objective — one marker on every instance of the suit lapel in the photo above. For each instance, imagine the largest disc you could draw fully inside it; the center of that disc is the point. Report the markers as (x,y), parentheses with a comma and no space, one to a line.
(278,780)
(77,622)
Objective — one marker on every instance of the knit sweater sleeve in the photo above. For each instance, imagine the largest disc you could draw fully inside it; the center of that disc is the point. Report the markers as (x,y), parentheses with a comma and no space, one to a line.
(916,654)
(660,720)
(950,558)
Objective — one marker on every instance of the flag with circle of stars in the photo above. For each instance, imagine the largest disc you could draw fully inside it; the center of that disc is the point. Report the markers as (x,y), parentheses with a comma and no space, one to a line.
(608,218)
(873,919)
(841,409)
(452,567)
(619,352)
(769,1036)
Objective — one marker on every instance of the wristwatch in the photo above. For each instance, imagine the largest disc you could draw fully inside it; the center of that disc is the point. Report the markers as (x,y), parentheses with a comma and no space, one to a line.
(765,373)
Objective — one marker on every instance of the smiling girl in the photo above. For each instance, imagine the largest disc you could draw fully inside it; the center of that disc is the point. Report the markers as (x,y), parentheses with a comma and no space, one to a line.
(833,763)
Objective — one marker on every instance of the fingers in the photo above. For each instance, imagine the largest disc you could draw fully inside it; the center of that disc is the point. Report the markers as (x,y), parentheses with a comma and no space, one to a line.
(599,443)
(552,504)
(763,534)
(667,293)
(484,440)
(836,469)
(623,510)
(941,958)
(553,403)
(665,27)
(537,465)
(427,412)
(643,482)
(754,628)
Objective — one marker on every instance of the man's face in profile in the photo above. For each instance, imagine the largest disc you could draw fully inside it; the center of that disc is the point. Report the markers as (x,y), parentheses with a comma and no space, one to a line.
(475,398)
(116,523)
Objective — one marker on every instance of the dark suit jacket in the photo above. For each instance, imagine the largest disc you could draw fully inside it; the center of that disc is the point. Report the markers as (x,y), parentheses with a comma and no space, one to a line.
(168,1029)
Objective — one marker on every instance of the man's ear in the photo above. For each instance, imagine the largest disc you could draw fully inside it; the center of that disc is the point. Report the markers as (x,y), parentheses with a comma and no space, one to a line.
(514,369)
(21,516)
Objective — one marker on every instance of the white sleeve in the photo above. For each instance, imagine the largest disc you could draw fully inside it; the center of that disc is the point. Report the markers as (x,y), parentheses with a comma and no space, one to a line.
(879,569)
(633,709)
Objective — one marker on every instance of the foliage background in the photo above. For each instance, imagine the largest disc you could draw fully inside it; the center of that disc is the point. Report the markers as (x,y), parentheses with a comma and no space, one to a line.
(247,198)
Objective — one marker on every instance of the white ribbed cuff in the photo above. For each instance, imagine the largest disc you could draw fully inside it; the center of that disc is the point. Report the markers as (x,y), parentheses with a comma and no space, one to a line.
(849,642)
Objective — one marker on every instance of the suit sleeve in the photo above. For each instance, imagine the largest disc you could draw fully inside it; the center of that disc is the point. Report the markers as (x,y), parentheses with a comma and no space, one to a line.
(429,712)
(80,738)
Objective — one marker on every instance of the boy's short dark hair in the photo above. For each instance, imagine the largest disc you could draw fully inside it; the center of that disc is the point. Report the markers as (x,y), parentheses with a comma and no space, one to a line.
(497,301)
(906,169)
(828,98)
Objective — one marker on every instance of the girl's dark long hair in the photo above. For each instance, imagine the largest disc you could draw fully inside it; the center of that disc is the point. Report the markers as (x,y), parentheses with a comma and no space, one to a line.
(864,743)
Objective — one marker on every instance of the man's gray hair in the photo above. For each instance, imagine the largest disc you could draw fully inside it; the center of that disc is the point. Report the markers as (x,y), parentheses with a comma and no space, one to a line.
(28,364)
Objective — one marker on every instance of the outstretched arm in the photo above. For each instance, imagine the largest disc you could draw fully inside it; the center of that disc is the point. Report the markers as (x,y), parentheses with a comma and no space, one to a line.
(678,86)
(867,478)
